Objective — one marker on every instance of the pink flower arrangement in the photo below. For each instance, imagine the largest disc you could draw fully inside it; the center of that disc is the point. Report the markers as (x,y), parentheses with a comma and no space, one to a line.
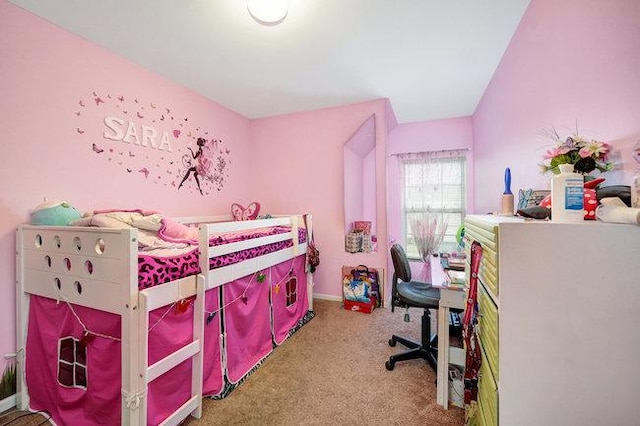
(428,232)
(586,155)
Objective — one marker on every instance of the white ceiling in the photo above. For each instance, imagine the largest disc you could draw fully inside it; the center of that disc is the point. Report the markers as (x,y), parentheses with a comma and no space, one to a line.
(432,59)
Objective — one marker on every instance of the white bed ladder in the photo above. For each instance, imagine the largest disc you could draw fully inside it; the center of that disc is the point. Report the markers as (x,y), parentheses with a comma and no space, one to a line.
(158,298)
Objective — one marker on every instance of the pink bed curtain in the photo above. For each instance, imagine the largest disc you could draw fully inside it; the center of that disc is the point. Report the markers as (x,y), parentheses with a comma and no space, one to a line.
(247,325)
(100,402)
(172,329)
(288,306)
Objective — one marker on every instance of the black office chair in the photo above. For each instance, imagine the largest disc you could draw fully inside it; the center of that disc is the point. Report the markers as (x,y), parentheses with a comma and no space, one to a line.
(412,294)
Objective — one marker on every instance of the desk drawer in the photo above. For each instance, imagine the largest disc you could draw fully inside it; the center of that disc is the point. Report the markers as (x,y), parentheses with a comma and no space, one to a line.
(487,394)
(488,329)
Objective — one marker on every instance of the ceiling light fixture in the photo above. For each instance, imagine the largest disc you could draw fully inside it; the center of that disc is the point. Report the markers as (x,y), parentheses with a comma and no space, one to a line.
(268,12)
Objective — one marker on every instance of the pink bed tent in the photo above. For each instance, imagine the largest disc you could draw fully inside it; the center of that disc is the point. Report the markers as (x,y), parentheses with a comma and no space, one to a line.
(102,344)
(255,317)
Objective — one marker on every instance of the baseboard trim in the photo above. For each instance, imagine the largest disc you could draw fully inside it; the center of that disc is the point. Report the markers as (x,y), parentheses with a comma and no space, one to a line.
(332,298)
(7,403)
(327,297)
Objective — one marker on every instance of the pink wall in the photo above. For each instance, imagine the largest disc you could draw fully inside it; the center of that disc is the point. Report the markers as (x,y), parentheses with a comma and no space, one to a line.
(45,73)
(360,176)
(298,166)
(571,60)
(353,188)
(369,190)
(453,133)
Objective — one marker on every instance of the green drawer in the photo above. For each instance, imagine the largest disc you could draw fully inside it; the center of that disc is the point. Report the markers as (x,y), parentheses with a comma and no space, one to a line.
(482,417)
(487,394)
(488,272)
(488,253)
(489,277)
(488,329)
(484,232)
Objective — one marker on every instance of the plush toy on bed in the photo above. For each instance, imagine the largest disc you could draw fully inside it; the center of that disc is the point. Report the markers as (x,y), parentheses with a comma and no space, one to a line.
(54,213)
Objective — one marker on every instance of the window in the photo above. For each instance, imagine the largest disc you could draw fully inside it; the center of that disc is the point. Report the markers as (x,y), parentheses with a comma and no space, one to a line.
(292,286)
(433,191)
(72,363)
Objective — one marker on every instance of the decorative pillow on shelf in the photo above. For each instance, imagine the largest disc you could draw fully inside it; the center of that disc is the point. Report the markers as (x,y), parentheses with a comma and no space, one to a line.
(241,213)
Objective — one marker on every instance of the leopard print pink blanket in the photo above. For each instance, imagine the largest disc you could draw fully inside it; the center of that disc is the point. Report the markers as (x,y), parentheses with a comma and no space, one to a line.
(158,270)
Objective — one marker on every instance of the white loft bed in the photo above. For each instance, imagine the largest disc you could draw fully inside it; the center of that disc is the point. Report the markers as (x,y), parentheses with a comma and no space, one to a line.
(98,268)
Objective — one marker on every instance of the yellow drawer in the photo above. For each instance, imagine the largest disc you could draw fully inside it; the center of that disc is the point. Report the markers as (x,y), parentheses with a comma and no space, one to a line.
(487,223)
(486,247)
(489,277)
(487,394)
(488,272)
(485,233)
(481,417)
(486,275)
(488,329)
(490,256)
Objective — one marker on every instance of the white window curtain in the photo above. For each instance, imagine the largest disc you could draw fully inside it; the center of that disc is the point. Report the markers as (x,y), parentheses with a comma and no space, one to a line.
(433,200)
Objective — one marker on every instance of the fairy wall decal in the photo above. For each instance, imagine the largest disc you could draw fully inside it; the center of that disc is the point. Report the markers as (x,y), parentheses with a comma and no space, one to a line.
(198,163)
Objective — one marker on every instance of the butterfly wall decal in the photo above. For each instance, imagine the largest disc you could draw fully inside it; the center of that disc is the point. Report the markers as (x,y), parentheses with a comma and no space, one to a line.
(241,213)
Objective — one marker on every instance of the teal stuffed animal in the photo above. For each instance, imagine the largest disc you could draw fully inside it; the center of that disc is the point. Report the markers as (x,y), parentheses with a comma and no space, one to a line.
(54,213)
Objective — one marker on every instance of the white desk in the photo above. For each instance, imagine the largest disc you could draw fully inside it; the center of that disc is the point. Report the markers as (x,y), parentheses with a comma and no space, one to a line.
(450,297)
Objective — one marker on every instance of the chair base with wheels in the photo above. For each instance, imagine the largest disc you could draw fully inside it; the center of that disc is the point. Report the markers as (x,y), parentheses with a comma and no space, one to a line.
(427,349)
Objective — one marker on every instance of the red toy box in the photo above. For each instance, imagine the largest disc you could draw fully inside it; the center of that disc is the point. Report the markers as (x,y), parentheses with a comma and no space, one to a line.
(366,307)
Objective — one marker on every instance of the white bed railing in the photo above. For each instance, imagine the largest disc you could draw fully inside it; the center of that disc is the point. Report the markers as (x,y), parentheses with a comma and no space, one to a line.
(217,277)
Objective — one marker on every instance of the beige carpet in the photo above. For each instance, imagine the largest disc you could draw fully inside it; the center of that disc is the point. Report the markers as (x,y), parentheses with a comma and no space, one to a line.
(330,372)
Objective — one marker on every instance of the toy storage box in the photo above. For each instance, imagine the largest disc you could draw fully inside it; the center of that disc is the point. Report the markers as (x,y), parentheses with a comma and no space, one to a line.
(365,307)
(361,288)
